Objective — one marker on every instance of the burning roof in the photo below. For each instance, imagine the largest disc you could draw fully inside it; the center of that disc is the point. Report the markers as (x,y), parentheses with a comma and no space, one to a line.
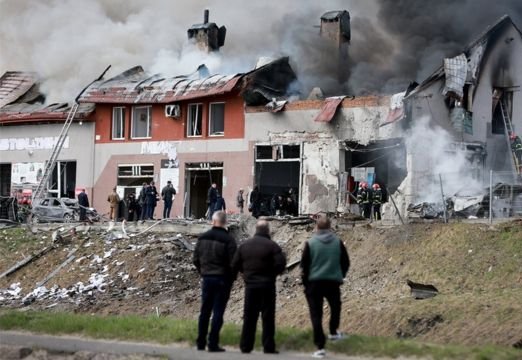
(135,85)
(21,101)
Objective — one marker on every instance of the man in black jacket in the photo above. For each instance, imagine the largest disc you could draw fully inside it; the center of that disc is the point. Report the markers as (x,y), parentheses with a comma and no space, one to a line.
(212,194)
(213,254)
(83,201)
(260,260)
(324,265)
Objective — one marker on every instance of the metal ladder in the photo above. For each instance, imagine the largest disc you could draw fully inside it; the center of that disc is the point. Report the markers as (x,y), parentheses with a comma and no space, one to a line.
(508,126)
(42,187)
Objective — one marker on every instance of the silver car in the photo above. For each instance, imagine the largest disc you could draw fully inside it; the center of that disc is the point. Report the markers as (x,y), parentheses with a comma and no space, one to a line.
(53,210)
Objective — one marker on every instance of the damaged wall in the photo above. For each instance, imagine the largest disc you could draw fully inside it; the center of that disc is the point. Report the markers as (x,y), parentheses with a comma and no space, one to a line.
(501,67)
(80,148)
(323,159)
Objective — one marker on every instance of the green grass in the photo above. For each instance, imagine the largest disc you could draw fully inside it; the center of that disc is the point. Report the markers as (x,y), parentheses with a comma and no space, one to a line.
(167,330)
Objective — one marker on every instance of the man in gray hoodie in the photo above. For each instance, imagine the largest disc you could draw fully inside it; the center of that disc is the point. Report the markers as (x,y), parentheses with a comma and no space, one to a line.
(324,265)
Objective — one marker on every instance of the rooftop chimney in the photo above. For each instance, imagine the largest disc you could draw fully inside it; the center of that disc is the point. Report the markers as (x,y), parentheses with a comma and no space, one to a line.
(335,27)
(207,36)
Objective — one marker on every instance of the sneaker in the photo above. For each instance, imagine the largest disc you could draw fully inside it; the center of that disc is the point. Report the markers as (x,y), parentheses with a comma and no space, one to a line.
(336,336)
(321,353)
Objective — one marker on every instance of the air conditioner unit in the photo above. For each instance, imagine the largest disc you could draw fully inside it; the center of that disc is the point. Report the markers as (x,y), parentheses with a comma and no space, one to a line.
(173,111)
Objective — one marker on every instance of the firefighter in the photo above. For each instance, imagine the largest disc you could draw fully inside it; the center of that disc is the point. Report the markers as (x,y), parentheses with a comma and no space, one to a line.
(516,147)
(376,201)
(364,200)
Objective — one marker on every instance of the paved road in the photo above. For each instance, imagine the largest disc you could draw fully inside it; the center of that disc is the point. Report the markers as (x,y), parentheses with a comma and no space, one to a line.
(73,344)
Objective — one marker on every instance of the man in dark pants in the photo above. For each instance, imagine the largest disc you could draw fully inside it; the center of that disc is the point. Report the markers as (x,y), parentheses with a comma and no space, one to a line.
(324,265)
(167,194)
(83,201)
(260,260)
(212,194)
(213,255)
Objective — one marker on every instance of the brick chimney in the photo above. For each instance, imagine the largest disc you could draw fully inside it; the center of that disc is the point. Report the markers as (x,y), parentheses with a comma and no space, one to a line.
(335,26)
(207,36)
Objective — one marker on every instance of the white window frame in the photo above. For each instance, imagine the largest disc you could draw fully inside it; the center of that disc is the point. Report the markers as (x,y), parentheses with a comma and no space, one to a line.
(149,123)
(122,122)
(210,119)
(197,105)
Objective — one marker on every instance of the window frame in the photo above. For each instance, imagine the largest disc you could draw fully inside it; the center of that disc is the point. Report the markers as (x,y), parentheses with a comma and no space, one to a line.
(189,119)
(122,108)
(149,122)
(218,134)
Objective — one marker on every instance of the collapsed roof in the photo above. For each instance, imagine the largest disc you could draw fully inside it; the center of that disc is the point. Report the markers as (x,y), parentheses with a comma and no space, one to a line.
(22,102)
(258,87)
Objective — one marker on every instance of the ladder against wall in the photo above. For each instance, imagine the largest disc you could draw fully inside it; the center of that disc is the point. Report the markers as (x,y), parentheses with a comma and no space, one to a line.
(42,188)
(508,131)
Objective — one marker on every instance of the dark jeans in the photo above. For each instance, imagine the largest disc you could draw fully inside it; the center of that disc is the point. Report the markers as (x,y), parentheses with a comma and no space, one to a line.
(258,300)
(166,209)
(315,292)
(144,212)
(150,210)
(215,291)
(211,207)
(83,214)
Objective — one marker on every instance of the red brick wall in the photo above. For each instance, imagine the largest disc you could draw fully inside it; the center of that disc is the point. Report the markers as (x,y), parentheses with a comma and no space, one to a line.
(165,128)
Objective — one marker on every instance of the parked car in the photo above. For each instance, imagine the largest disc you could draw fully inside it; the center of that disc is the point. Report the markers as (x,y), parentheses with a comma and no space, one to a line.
(54,210)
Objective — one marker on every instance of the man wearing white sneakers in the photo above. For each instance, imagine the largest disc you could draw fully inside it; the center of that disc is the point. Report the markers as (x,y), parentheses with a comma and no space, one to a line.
(324,265)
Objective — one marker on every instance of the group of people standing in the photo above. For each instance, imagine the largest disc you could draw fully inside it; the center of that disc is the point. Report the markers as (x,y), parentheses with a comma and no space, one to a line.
(279,204)
(142,207)
(217,258)
(370,200)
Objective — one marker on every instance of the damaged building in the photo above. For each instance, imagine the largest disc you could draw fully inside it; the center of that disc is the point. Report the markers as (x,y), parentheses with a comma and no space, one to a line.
(186,129)
(323,148)
(475,98)
(29,129)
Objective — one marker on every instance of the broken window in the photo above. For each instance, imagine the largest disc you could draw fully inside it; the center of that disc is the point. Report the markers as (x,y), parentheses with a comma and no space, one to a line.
(141,122)
(194,120)
(135,174)
(291,151)
(217,119)
(118,123)
(264,152)
(501,98)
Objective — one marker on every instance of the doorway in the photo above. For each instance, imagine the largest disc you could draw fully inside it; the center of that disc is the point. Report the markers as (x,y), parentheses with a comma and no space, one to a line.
(62,183)
(5,179)
(198,179)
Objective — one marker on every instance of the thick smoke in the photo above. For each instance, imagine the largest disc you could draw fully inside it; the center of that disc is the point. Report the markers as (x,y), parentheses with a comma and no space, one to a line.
(438,159)
(70,42)
(409,39)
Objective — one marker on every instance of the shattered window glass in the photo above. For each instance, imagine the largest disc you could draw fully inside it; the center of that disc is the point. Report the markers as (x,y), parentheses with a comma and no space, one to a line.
(141,122)
(194,120)
(291,151)
(217,119)
(118,123)
(264,152)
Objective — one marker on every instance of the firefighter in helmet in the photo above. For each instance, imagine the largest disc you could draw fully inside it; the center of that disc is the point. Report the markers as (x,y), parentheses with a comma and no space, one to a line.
(364,199)
(516,147)
(376,201)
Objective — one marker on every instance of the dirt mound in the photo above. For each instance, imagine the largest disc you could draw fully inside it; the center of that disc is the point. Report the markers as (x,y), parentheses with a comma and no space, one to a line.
(477,269)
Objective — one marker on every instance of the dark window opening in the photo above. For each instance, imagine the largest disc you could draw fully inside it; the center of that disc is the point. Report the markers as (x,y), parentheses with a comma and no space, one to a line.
(264,152)
(501,99)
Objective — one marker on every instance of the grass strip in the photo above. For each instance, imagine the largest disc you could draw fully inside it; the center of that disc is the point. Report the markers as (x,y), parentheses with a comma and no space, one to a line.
(165,330)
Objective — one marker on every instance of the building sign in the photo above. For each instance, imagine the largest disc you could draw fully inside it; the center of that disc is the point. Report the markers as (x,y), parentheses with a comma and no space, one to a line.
(34,143)
(27,173)
(161,147)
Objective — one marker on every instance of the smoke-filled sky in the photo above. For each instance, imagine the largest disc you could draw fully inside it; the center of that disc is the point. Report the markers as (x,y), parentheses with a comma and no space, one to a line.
(70,42)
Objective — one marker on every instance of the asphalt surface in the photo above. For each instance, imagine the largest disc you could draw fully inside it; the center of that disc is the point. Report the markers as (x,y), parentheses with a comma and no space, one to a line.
(72,344)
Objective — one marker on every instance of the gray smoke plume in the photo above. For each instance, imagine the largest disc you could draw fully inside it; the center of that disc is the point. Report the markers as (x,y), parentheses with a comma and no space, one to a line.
(70,42)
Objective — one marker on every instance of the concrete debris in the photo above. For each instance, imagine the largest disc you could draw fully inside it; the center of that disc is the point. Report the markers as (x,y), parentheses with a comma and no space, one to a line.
(422,291)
